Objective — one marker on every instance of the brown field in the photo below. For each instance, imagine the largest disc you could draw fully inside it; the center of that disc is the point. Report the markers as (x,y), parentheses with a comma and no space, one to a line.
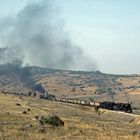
(67,85)
(136,92)
(82,85)
(129,81)
(81,122)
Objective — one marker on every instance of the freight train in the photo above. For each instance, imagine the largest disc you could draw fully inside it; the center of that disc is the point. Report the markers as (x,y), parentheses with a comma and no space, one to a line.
(124,107)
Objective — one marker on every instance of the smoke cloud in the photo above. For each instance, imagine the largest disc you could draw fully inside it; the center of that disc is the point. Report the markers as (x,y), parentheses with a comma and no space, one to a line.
(36,36)
(24,74)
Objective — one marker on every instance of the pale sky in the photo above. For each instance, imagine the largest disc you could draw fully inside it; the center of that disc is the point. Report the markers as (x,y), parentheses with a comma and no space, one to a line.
(108,30)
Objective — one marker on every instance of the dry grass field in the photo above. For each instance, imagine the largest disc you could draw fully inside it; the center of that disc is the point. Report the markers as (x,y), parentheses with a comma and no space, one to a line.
(81,122)
(67,85)
(85,84)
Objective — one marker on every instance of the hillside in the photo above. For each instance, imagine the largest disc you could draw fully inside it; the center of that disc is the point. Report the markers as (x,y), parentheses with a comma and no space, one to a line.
(95,86)
(67,83)
(80,122)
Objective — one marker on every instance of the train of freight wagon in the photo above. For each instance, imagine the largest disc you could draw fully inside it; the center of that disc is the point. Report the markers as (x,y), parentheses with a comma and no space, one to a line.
(124,107)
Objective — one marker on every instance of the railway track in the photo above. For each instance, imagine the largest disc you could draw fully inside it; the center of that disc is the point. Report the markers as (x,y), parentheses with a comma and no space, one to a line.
(76,101)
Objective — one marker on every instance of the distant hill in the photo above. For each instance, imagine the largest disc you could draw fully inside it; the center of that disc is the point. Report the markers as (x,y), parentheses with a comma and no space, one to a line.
(67,83)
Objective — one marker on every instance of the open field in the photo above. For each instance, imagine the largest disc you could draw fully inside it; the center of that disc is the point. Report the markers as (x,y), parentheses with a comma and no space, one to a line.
(135,92)
(80,122)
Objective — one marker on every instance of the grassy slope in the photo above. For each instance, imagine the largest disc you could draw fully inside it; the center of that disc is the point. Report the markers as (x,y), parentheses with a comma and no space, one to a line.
(85,85)
(68,83)
(80,122)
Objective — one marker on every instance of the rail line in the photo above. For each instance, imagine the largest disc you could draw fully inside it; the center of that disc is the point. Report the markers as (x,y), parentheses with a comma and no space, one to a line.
(76,101)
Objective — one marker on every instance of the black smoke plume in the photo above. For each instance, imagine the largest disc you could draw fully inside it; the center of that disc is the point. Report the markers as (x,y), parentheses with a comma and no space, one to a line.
(24,74)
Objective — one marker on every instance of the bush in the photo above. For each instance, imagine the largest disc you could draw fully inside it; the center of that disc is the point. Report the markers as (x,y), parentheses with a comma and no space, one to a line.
(53,120)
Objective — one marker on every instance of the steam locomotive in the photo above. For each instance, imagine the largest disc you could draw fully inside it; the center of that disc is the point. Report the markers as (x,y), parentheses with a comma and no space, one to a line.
(124,107)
